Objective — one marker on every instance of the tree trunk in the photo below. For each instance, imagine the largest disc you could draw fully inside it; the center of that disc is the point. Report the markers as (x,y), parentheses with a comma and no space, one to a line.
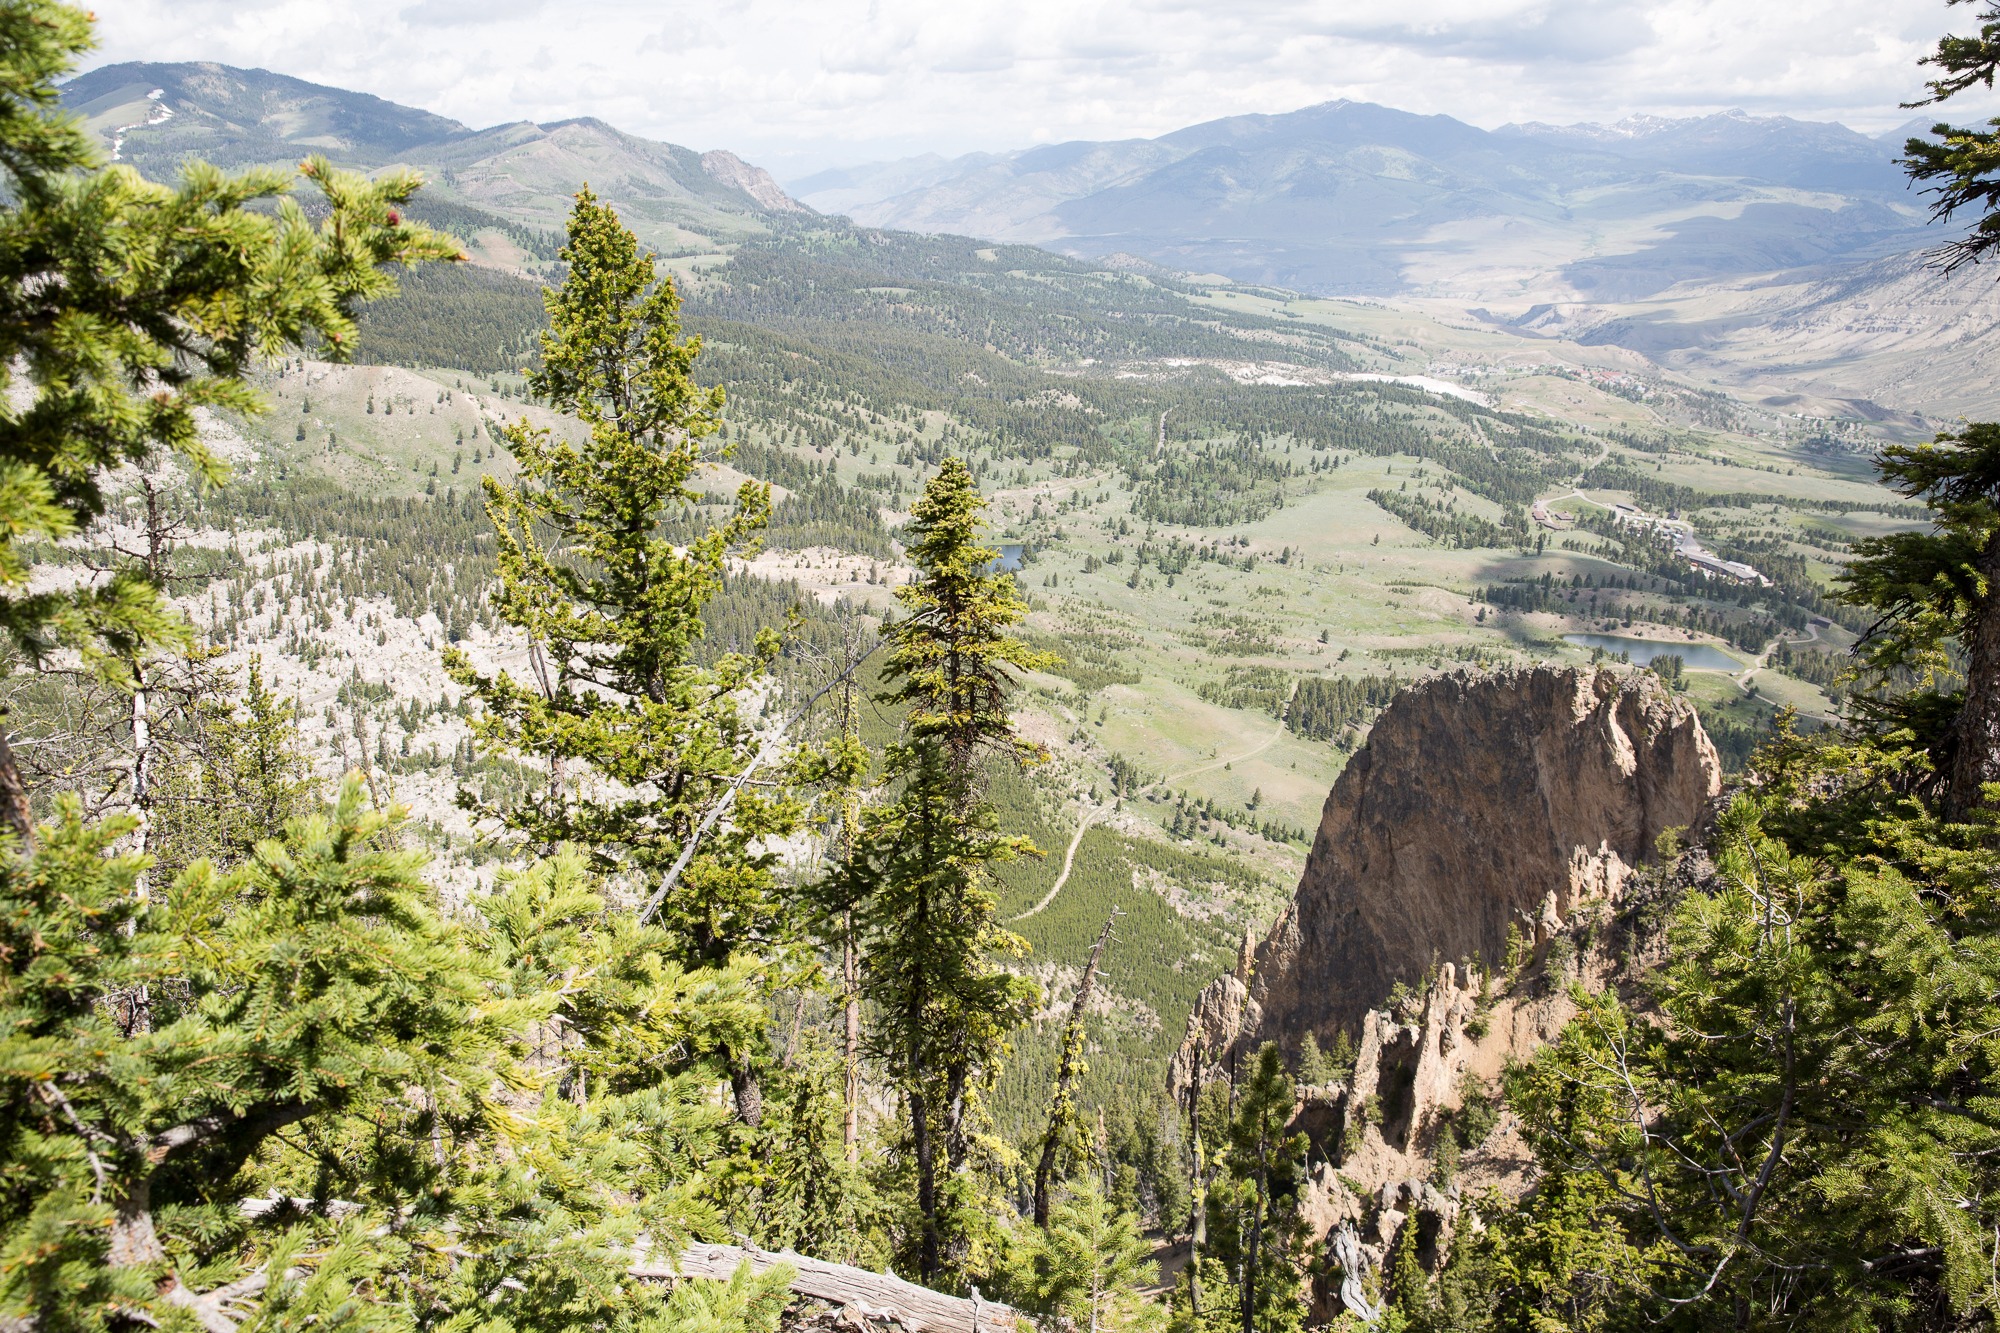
(749,1093)
(142,769)
(926,1154)
(1045,1169)
(1251,1258)
(1977,760)
(1197,1191)
(134,1243)
(869,1300)
(14,816)
(850,974)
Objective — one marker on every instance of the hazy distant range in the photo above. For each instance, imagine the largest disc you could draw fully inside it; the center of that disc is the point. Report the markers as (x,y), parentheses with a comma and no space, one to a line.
(1783,256)
(1351,198)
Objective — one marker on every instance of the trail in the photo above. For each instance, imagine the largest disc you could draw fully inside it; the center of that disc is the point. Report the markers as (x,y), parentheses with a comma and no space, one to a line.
(1161,446)
(1743,681)
(1093,812)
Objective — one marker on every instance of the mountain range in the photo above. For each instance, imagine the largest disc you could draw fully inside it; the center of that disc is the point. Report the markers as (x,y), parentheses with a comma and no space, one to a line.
(156,115)
(1782,255)
(1351,198)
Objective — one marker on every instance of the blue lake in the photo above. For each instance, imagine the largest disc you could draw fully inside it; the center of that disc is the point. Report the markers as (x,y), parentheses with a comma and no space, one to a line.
(1010,558)
(1697,656)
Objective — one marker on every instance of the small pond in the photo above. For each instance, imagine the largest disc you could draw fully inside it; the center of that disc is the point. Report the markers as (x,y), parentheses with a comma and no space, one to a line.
(1010,558)
(1697,656)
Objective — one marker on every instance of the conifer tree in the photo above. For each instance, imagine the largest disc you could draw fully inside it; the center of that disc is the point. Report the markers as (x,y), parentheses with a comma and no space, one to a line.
(1938,587)
(1057,1138)
(1407,1289)
(236,777)
(641,741)
(1087,1266)
(1248,1269)
(920,874)
(305,985)
(124,307)
(1964,162)
(1941,586)
(1268,1164)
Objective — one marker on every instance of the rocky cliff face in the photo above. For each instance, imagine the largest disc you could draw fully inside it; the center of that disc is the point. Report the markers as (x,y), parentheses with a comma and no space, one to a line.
(1525,798)
(753,181)
(1480,801)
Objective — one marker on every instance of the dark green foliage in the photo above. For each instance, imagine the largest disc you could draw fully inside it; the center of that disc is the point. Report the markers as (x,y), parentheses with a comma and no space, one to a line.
(1963,164)
(825,513)
(1212,486)
(1324,707)
(613,611)
(1933,591)
(464,220)
(1442,521)
(1822,1083)
(1087,659)
(465,318)
(1087,1267)
(1831,671)
(234,781)
(154,1050)
(1254,1264)
(918,879)
(1260,687)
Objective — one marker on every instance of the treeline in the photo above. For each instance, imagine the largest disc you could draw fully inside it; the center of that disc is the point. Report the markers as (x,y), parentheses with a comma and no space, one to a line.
(1667,497)
(1324,707)
(459,317)
(1443,522)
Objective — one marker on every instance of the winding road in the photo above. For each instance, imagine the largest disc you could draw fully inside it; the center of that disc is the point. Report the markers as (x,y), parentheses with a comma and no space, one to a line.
(1743,681)
(1091,814)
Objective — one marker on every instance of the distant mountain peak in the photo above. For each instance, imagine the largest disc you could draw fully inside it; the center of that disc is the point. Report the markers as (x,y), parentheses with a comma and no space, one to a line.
(156,116)
(756,182)
(1640,126)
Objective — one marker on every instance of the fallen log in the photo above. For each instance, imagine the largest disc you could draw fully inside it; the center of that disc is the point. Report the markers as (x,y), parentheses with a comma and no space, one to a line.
(865,1298)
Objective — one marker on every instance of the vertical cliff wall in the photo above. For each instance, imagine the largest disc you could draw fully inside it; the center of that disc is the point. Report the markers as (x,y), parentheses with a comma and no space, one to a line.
(1480,800)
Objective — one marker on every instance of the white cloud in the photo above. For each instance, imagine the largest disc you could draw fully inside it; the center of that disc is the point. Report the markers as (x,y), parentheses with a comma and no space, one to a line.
(797,84)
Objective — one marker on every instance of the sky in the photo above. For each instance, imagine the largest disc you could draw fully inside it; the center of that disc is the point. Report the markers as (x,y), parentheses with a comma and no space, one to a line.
(799,85)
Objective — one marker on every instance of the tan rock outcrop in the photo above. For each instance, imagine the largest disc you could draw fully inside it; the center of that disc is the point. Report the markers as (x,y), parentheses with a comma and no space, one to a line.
(1524,798)
(756,182)
(1480,801)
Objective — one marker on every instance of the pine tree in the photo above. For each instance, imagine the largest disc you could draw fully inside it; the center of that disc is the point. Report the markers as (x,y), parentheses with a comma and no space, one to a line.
(919,878)
(952,658)
(1058,1139)
(1935,588)
(1087,1266)
(1963,160)
(1407,1288)
(1939,587)
(237,776)
(643,744)
(127,306)
(308,984)
(1267,1163)
(1819,1074)
(1249,1270)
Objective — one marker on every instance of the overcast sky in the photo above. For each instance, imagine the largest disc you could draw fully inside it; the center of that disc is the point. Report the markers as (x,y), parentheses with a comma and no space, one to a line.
(796,85)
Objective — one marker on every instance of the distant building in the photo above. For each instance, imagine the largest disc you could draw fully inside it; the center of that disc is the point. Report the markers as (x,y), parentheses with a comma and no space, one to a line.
(1729,569)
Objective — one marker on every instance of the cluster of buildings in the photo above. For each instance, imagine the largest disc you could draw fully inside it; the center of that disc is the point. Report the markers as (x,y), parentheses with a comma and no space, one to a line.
(1688,549)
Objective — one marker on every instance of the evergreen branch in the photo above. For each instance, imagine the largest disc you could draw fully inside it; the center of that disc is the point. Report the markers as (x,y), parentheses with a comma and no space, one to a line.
(736,784)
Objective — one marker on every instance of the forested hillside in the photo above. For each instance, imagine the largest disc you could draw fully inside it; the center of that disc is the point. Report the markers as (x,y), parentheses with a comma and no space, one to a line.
(1229,505)
(545,728)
